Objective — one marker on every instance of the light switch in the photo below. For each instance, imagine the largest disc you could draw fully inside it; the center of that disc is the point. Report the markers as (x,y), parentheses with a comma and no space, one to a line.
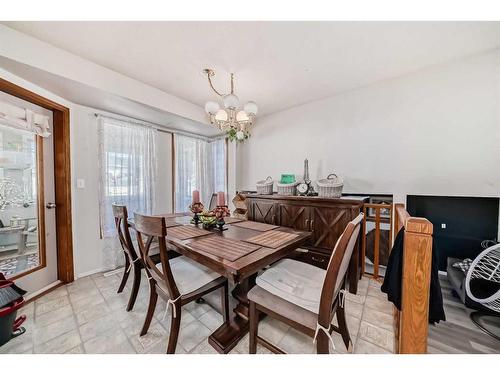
(443,225)
(80,183)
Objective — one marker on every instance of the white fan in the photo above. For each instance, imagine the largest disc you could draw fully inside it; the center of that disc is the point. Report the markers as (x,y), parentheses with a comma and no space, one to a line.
(485,272)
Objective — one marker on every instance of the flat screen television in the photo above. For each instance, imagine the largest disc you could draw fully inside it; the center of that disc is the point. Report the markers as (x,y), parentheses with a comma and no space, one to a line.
(460,223)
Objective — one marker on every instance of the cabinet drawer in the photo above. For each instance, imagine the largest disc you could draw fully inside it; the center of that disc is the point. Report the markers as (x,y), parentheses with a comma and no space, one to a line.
(314,258)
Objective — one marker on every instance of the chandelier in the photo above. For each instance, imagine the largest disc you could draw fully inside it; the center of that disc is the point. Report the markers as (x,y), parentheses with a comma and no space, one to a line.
(231,119)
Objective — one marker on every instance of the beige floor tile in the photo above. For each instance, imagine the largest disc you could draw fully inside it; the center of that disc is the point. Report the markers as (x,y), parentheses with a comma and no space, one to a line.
(192,335)
(380,319)
(211,319)
(53,330)
(95,327)
(112,341)
(83,283)
(76,350)
(84,294)
(54,304)
(56,293)
(365,347)
(92,313)
(379,304)
(374,291)
(353,308)
(352,324)
(203,348)
(60,344)
(120,301)
(19,344)
(53,316)
(358,298)
(243,347)
(87,302)
(295,342)
(198,309)
(376,335)
(156,334)
(161,348)
(272,330)
(186,318)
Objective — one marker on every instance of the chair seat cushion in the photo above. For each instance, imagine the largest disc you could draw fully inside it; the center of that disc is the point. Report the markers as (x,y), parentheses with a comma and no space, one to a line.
(189,275)
(296,282)
(283,308)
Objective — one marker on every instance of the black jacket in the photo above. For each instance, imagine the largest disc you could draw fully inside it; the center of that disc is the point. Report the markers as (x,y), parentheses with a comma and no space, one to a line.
(393,276)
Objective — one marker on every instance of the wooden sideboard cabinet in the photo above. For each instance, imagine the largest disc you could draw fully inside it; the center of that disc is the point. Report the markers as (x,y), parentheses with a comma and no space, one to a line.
(326,218)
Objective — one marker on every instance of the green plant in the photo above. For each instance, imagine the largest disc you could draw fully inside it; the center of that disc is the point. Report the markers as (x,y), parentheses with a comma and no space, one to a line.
(237,135)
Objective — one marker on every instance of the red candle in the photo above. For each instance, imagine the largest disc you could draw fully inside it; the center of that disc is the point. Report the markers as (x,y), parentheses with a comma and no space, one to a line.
(221,199)
(196,196)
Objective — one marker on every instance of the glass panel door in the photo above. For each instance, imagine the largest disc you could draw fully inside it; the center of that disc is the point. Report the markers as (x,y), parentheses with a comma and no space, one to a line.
(22,241)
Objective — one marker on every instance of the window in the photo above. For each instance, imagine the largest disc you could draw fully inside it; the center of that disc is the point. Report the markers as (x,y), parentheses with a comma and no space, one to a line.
(127,169)
(199,165)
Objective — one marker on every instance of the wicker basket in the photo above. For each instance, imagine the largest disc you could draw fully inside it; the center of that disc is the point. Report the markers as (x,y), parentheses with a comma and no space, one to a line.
(265,187)
(287,189)
(331,187)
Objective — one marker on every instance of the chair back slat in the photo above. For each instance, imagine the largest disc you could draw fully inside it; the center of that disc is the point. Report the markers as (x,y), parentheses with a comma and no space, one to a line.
(337,269)
(149,228)
(122,227)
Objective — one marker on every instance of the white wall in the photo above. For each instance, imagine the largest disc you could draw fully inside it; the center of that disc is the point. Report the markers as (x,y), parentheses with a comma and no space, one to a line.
(436,131)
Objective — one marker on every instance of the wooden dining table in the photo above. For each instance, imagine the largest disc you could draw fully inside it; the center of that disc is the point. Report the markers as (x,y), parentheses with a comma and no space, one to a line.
(241,271)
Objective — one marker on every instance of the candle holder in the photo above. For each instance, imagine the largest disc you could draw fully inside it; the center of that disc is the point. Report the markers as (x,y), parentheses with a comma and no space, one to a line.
(196,208)
(220,213)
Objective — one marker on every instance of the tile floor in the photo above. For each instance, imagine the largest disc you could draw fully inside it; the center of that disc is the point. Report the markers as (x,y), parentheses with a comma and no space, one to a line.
(88,316)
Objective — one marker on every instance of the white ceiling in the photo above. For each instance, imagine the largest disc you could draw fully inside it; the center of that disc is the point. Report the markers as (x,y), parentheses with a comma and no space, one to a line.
(277,64)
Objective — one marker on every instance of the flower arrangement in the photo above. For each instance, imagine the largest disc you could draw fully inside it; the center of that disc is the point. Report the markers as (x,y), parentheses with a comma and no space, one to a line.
(237,135)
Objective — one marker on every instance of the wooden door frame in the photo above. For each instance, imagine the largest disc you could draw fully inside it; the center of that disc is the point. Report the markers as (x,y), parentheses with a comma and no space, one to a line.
(62,175)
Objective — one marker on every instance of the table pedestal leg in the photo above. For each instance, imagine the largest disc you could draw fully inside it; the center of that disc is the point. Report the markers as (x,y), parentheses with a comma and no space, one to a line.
(225,338)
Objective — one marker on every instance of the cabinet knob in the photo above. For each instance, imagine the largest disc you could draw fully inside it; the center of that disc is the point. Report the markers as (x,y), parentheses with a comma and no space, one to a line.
(312,225)
(307,224)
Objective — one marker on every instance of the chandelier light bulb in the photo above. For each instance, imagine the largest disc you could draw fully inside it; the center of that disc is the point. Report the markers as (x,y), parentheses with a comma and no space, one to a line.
(242,116)
(221,115)
(251,108)
(231,101)
(212,107)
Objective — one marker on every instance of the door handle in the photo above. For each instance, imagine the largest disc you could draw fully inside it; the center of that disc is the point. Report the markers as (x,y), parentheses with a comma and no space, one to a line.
(312,225)
(50,205)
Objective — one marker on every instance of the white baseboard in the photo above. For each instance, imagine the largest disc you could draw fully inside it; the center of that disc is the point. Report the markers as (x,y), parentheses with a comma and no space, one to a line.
(88,273)
(30,296)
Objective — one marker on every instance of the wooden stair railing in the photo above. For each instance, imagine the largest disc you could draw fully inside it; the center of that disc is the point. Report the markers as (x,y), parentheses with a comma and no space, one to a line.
(411,323)
(378,219)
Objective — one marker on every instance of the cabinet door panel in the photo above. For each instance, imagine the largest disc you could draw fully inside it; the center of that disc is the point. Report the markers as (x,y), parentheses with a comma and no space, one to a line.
(328,225)
(294,216)
(263,212)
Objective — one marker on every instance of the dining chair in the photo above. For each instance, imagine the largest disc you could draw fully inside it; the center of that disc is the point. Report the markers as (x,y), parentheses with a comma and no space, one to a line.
(133,262)
(177,281)
(306,297)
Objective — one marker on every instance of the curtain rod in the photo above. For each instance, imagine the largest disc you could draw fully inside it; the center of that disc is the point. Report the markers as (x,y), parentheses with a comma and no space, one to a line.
(158,127)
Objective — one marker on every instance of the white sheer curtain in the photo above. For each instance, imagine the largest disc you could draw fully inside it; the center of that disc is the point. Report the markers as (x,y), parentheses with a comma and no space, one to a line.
(127,176)
(199,165)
